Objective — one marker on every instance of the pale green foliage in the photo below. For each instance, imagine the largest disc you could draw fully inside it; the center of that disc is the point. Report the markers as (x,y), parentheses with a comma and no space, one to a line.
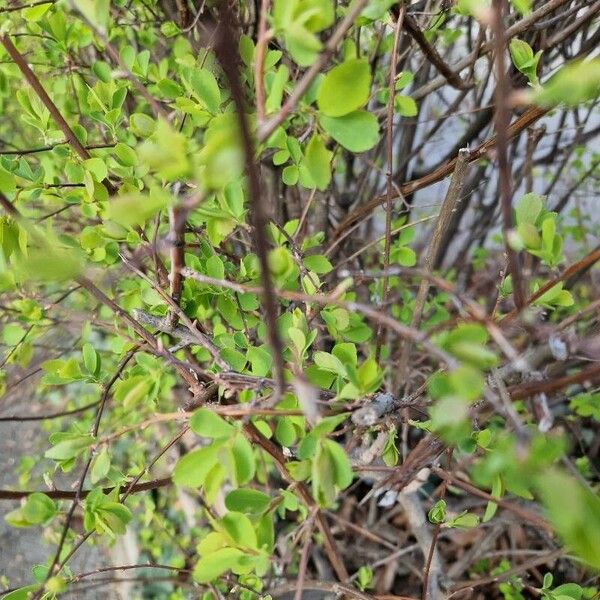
(91,241)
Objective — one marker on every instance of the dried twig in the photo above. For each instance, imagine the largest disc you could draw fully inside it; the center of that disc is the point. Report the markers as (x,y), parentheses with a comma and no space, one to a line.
(443,221)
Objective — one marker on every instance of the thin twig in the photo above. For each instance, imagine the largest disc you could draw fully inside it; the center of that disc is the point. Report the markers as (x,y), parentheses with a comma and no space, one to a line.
(103,400)
(390,162)
(502,119)
(368,311)
(441,225)
(259,60)
(410,187)
(38,88)
(229,61)
(309,525)
(432,55)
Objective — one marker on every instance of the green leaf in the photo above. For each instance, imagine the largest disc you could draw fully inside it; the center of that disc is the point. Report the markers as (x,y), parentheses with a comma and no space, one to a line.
(528,208)
(285,432)
(523,6)
(247,500)
(240,529)
(345,88)
(100,466)
(244,461)
(39,508)
(206,423)
(323,478)
(206,89)
(23,593)
(125,154)
(302,45)
(466,520)
(405,106)
(317,160)
(235,359)
(142,125)
(437,513)
(136,208)
(215,267)
(521,54)
(35,13)
(403,79)
(96,11)
(209,567)
(68,446)
(102,70)
(192,468)
(260,360)
(568,590)
(91,359)
(575,513)
(328,362)
(357,131)
(342,469)
(290,175)
(166,152)
(277,87)
(318,264)
(576,82)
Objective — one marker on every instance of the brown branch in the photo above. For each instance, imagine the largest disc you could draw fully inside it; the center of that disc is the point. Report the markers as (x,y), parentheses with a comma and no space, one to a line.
(526,515)
(531,388)
(279,459)
(18,7)
(390,161)
(51,147)
(410,187)
(530,564)
(68,494)
(444,219)
(309,525)
(586,262)
(38,88)
(226,54)
(519,27)
(502,119)
(259,60)
(79,576)
(432,55)
(57,415)
(176,249)
(8,206)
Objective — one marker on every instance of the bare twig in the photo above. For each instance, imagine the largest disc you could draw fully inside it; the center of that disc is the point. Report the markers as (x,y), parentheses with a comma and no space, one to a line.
(229,61)
(390,160)
(410,187)
(502,118)
(259,60)
(443,221)
(69,494)
(432,55)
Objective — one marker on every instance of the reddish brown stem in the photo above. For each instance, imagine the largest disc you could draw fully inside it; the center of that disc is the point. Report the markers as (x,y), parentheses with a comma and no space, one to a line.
(502,118)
